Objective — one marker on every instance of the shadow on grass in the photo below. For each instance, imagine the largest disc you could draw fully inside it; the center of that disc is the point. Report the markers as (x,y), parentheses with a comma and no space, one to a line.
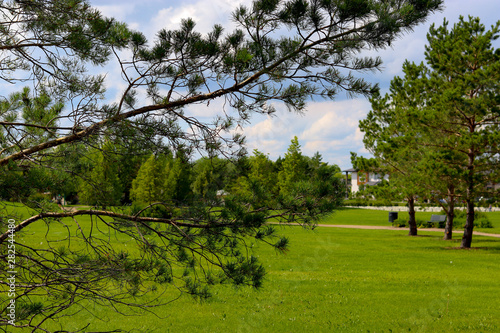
(478,248)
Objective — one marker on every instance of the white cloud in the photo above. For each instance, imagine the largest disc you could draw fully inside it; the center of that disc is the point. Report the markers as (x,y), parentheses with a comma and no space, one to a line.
(204,14)
(119,11)
(333,120)
(328,127)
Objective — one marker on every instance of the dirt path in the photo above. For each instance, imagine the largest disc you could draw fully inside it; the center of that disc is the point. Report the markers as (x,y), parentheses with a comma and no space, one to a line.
(478,233)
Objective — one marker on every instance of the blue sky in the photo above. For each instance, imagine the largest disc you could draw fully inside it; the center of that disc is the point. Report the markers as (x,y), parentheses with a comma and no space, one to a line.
(330,127)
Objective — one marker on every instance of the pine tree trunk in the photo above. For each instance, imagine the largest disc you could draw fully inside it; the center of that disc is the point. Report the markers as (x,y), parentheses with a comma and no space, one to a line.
(448,230)
(469,225)
(412,222)
(450,214)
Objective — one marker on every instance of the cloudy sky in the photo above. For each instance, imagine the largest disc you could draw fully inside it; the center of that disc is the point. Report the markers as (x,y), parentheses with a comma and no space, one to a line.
(330,127)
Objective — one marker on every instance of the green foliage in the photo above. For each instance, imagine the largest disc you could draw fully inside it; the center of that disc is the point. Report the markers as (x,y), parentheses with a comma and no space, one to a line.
(41,202)
(25,309)
(366,202)
(258,180)
(420,223)
(178,181)
(481,219)
(293,169)
(438,127)
(149,185)
(101,185)
(157,211)
(211,175)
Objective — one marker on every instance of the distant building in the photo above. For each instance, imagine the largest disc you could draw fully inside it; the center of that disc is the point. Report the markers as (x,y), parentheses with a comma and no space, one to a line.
(492,186)
(359,177)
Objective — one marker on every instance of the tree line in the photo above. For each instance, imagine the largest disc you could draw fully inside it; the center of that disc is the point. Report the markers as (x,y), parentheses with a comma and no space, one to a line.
(108,175)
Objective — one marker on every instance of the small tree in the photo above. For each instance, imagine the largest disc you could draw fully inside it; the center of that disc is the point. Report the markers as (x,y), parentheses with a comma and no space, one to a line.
(101,186)
(293,169)
(389,137)
(149,185)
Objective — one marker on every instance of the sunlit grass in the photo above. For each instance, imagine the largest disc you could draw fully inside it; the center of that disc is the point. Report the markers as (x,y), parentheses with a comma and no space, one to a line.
(331,280)
(344,280)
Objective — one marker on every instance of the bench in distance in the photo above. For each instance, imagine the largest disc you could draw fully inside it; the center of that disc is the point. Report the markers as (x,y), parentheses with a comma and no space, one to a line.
(440,220)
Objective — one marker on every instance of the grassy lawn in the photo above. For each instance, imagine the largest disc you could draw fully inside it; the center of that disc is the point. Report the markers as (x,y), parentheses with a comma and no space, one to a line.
(336,280)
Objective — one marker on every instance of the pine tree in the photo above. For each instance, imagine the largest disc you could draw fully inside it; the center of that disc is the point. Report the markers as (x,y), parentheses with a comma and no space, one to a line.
(293,169)
(463,89)
(149,185)
(101,186)
(440,123)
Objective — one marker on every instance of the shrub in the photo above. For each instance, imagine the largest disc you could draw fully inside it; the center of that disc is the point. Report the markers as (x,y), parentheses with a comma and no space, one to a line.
(482,223)
(356,202)
(365,202)
(380,203)
(480,219)
(402,223)
(41,201)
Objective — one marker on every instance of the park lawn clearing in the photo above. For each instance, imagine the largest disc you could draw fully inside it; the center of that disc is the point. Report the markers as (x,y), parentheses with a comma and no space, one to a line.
(331,280)
(341,280)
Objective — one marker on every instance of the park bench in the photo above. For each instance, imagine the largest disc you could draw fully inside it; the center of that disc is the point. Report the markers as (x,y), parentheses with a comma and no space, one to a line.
(440,220)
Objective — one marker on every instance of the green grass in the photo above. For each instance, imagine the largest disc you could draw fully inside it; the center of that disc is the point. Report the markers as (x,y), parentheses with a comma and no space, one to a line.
(336,280)
(358,216)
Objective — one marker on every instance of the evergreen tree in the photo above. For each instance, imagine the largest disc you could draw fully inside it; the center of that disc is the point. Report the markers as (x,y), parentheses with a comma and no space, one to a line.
(210,175)
(149,185)
(390,137)
(463,96)
(293,169)
(444,118)
(101,186)
(178,181)
(258,182)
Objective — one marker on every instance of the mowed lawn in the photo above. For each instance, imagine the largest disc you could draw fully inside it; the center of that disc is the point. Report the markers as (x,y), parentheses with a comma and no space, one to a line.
(339,280)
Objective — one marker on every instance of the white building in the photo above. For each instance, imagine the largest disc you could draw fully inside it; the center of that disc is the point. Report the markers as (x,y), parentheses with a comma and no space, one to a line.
(359,177)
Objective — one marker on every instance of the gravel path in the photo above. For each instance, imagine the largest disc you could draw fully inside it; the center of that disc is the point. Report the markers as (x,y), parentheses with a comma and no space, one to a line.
(420,209)
(478,233)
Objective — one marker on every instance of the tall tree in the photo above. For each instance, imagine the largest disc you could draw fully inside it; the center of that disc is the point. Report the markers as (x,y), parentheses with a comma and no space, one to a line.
(149,185)
(283,51)
(390,138)
(448,113)
(464,90)
(179,179)
(101,186)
